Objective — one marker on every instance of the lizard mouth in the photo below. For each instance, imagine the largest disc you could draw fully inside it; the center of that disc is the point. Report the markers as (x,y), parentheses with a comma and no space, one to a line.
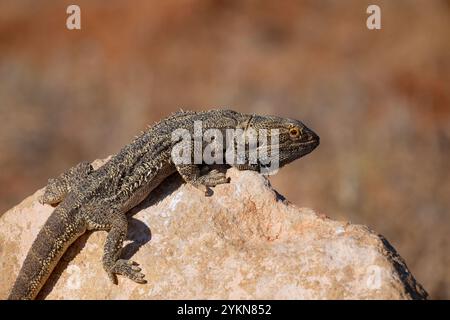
(312,142)
(308,146)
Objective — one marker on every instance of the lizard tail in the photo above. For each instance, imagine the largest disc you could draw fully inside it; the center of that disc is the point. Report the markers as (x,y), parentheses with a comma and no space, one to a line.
(57,234)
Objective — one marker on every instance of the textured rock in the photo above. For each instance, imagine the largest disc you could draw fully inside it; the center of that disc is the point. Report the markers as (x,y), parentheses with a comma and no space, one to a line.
(244,242)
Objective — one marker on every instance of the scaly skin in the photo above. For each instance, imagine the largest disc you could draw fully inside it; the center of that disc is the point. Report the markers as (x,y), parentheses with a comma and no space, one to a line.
(99,199)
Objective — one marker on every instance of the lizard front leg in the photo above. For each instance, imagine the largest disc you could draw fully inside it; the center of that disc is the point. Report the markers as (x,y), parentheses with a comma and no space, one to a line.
(191,174)
(113,247)
(246,166)
(57,188)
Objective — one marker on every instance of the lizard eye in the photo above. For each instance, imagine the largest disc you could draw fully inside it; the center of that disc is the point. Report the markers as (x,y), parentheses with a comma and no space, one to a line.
(294,132)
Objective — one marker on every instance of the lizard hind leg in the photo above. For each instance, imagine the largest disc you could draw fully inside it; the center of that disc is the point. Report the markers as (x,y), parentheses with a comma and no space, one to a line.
(57,188)
(112,263)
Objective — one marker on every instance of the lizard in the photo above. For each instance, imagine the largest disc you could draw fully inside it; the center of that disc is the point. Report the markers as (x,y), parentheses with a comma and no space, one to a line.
(88,199)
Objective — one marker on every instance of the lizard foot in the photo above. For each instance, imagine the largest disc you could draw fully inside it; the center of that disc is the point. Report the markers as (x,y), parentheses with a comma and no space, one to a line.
(213,178)
(128,269)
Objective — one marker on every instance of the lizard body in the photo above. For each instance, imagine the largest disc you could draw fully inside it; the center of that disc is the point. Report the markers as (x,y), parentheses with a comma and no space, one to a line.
(99,199)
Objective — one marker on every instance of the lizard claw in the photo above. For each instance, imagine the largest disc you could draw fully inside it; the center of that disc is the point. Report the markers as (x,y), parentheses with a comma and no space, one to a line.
(128,269)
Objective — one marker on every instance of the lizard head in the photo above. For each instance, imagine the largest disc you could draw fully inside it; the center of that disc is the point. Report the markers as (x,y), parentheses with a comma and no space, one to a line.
(293,139)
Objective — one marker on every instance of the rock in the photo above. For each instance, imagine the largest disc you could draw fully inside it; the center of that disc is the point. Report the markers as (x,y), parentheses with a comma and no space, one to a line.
(243,242)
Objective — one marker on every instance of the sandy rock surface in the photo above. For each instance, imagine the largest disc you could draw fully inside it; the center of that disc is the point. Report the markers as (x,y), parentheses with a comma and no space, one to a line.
(243,242)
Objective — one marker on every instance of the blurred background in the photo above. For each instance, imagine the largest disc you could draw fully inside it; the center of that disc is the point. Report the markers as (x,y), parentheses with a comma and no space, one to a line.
(380,100)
